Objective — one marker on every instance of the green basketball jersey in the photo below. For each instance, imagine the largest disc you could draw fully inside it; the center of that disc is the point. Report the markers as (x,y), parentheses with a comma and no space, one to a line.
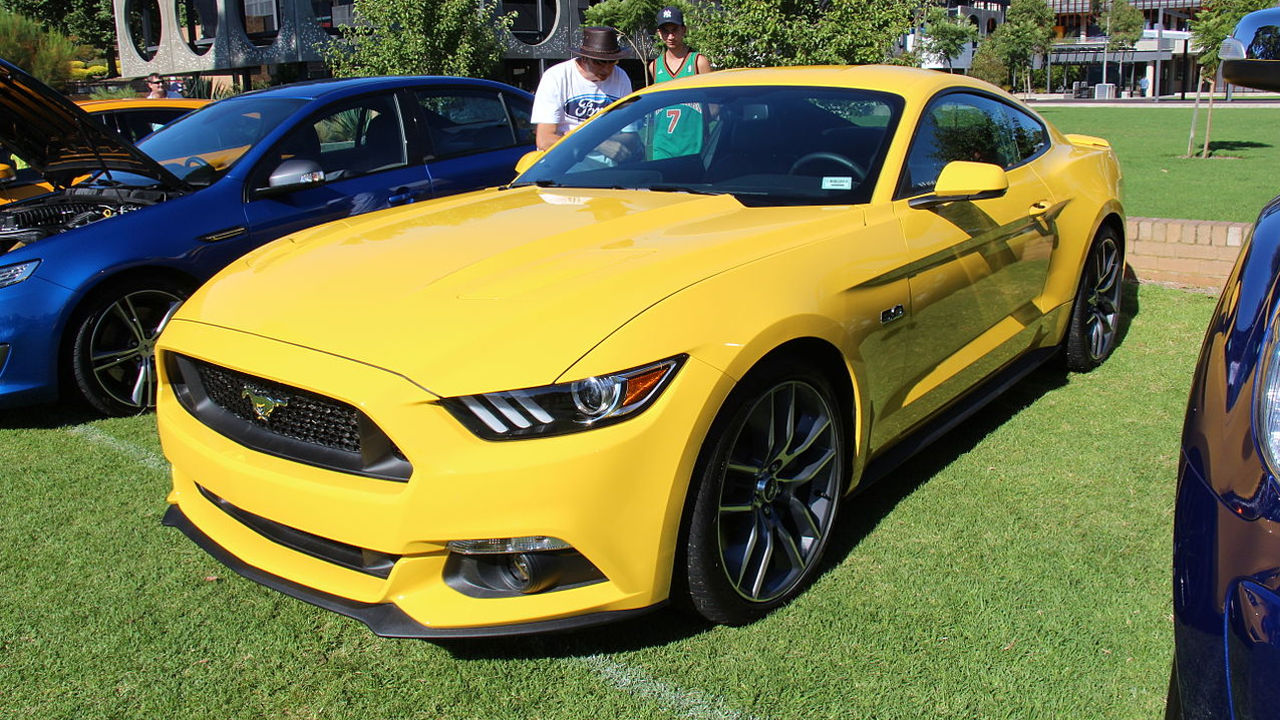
(677,129)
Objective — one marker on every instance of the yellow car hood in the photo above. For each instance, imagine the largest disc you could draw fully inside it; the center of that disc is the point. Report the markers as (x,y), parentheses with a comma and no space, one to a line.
(493,290)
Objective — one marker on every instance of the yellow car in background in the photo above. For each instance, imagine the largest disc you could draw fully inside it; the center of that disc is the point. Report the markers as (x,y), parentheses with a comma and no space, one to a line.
(133,118)
(653,368)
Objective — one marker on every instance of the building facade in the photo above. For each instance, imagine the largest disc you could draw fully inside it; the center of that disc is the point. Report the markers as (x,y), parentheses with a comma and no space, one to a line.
(228,36)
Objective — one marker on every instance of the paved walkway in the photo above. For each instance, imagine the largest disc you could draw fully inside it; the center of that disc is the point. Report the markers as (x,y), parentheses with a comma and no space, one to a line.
(1245,100)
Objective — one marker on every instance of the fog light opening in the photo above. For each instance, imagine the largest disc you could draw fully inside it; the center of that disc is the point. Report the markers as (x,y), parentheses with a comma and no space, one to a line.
(530,573)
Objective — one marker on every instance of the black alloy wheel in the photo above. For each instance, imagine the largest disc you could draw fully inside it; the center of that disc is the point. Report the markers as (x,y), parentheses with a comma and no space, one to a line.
(1095,315)
(113,355)
(769,483)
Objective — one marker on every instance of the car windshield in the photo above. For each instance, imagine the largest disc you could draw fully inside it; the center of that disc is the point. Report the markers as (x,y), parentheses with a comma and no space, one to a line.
(200,147)
(764,145)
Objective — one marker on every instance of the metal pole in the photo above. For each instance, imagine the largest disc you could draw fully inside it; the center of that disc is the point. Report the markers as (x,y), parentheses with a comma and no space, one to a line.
(1155,86)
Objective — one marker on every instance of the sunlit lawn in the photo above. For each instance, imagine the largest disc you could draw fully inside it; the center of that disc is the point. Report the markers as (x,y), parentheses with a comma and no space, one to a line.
(1019,569)
(1238,178)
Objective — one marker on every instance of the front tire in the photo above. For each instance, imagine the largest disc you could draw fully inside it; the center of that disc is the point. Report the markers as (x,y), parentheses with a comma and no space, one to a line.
(113,349)
(767,487)
(1095,315)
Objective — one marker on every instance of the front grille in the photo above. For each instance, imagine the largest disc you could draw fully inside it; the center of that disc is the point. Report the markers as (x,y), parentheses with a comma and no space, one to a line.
(301,415)
(285,421)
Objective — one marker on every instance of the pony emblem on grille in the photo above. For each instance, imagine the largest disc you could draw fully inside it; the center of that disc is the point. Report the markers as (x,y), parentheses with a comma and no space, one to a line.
(263,404)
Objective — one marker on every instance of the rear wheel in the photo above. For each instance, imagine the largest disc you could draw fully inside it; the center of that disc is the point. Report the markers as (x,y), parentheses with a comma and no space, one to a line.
(768,484)
(113,351)
(1095,316)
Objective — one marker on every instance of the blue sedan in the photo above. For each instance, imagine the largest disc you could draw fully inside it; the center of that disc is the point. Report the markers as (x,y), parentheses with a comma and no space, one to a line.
(1226,534)
(90,273)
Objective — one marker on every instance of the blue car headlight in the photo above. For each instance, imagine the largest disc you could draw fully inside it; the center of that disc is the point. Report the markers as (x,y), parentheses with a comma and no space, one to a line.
(14,274)
(564,407)
(1266,399)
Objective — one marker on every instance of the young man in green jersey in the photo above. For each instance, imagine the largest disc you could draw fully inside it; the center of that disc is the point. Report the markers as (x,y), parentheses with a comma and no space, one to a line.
(678,130)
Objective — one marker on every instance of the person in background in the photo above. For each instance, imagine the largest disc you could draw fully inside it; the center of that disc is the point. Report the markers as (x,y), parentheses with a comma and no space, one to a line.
(678,130)
(574,90)
(677,59)
(156,88)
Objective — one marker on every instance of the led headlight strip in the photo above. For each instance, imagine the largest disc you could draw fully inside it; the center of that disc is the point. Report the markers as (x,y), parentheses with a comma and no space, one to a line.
(564,407)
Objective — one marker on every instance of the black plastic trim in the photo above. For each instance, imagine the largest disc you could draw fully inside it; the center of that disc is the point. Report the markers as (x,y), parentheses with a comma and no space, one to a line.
(379,458)
(960,411)
(341,554)
(384,619)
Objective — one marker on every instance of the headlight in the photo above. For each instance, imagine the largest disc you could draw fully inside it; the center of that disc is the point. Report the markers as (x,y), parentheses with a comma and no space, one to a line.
(14,274)
(565,407)
(1266,399)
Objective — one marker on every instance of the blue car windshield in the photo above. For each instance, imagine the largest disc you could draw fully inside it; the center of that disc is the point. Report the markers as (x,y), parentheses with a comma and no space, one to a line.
(763,145)
(199,148)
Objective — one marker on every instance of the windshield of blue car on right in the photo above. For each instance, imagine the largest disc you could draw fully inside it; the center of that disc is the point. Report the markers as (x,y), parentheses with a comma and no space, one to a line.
(763,145)
(200,147)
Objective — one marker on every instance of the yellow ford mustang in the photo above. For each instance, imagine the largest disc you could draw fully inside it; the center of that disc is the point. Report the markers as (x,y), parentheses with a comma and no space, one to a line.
(652,368)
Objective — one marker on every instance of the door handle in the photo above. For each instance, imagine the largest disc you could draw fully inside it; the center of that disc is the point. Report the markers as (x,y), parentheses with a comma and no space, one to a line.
(401,196)
(1039,208)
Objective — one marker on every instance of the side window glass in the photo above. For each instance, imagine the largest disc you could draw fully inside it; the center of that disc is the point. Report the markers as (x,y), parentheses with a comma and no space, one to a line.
(464,121)
(521,110)
(954,127)
(1029,135)
(355,139)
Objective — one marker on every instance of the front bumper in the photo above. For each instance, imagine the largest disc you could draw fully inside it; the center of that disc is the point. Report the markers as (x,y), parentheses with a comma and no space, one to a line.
(1226,606)
(31,331)
(614,494)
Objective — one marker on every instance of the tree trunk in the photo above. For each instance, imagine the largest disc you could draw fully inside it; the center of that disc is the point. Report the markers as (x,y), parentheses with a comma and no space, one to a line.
(1208,118)
(1195,113)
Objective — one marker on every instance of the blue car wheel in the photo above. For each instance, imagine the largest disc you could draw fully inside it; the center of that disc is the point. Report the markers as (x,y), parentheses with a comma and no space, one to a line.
(113,354)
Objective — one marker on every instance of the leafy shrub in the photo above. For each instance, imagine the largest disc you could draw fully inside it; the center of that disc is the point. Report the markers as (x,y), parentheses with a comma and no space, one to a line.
(46,55)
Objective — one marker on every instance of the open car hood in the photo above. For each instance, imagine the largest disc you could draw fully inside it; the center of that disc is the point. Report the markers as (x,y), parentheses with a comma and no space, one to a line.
(60,140)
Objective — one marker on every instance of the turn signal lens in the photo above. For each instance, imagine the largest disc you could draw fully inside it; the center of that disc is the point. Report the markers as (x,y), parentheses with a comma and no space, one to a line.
(14,274)
(502,546)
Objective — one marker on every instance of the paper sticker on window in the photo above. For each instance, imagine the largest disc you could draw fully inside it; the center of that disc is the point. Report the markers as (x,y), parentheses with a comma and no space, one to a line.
(837,183)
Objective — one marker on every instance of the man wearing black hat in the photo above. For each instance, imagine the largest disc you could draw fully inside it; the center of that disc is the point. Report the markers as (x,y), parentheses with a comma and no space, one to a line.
(578,88)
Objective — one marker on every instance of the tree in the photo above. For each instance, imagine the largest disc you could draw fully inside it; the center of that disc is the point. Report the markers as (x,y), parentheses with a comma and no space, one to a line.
(1213,24)
(945,36)
(88,22)
(1123,23)
(46,55)
(762,33)
(988,66)
(635,20)
(1026,33)
(411,37)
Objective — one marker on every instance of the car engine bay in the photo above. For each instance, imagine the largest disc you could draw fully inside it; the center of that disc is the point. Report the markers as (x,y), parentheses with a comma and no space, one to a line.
(29,221)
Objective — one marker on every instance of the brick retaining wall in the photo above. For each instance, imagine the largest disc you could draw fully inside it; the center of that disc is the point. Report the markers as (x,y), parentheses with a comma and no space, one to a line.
(1189,253)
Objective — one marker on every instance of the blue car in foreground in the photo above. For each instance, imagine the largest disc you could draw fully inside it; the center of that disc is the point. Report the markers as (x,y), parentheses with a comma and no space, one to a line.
(90,273)
(1226,537)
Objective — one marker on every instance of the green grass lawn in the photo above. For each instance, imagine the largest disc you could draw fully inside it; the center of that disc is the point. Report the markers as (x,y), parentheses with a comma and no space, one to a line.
(1018,569)
(1238,178)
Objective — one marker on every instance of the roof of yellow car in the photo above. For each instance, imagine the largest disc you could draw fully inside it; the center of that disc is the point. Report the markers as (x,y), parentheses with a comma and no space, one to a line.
(898,79)
(96,106)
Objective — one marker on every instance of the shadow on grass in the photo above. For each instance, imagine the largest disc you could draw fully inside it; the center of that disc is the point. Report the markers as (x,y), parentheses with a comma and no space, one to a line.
(862,513)
(1233,145)
(46,417)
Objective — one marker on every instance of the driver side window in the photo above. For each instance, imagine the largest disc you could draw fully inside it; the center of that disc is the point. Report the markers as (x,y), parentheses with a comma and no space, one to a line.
(357,138)
(958,126)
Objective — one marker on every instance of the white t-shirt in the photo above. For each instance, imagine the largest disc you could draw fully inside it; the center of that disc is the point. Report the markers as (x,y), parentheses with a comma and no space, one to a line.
(566,99)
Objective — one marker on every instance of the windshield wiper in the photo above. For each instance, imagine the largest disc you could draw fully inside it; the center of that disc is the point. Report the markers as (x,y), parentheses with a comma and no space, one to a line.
(667,187)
